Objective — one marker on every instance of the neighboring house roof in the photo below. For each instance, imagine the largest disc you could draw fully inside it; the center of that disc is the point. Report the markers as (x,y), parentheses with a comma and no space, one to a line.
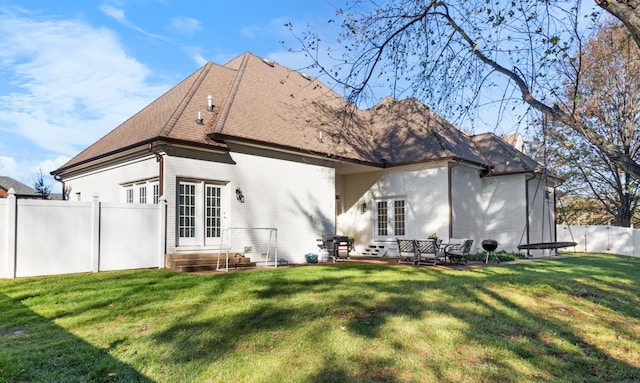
(20,189)
(259,102)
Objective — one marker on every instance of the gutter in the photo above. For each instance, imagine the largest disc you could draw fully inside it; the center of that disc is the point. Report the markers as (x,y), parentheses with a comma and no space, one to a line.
(160,160)
(64,192)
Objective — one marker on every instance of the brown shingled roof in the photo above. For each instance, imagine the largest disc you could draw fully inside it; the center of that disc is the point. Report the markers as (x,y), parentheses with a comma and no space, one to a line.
(503,157)
(407,131)
(276,106)
(259,102)
(172,116)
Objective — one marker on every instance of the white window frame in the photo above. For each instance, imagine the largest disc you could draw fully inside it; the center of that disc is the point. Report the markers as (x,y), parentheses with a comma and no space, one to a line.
(389,218)
(155,192)
(186,219)
(139,191)
(210,213)
(142,193)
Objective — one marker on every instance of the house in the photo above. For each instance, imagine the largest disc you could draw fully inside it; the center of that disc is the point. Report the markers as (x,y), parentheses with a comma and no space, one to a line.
(21,190)
(253,144)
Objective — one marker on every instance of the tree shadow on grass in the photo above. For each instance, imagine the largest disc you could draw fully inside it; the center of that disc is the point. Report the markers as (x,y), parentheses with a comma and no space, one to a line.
(499,339)
(315,315)
(34,349)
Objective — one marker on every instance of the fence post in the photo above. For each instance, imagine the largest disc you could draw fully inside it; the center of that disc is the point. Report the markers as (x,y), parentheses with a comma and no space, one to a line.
(95,233)
(162,231)
(9,250)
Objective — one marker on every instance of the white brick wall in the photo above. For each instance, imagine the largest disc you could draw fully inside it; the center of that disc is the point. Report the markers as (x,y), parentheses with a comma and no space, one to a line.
(294,197)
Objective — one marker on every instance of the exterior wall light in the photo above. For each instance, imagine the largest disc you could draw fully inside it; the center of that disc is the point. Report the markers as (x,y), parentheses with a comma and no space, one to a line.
(363,207)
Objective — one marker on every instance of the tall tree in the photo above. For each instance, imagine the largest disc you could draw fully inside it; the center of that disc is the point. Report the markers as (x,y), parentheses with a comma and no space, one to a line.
(627,11)
(607,99)
(457,55)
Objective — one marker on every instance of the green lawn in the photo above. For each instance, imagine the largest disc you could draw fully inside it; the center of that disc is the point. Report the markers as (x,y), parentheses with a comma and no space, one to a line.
(574,319)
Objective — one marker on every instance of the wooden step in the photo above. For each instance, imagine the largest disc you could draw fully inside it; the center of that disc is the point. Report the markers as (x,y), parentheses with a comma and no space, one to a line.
(205,261)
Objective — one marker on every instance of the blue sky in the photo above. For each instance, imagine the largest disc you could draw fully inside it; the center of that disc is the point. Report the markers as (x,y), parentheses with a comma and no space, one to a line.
(71,71)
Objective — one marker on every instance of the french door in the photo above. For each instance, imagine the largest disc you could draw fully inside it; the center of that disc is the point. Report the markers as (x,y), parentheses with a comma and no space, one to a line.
(390,218)
(201,213)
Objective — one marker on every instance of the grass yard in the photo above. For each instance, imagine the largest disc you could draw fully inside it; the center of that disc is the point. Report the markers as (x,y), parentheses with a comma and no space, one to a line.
(574,319)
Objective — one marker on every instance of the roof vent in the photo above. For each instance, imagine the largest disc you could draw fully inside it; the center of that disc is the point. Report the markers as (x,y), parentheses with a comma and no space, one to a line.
(268,62)
(306,76)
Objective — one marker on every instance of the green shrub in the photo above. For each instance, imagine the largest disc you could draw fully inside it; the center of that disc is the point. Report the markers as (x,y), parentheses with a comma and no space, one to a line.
(502,255)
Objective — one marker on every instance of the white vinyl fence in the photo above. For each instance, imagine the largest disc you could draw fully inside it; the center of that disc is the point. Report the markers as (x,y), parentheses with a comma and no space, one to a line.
(41,237)
(601,239)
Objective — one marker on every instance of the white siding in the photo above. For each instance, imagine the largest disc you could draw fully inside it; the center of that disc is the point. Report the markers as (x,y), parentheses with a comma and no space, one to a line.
(467,204)
(504,204)
(294,197)
(423,188)
(106,183)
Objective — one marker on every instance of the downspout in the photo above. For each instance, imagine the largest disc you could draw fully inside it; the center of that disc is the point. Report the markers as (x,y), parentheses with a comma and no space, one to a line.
(59,179)
(160,160)
(450,196)
(526,216)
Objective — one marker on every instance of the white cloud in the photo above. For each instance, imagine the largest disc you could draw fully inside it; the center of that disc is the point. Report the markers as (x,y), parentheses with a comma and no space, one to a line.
(196,55)
(50,164)
(71,82)
(8,166)
(115,13)
(185,25)
(120,16)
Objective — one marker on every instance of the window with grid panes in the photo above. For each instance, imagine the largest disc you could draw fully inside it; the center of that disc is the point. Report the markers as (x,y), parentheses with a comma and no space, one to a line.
(398,217)
(382,217)
(156,193)
(213,211)
(142,194)
(187,210)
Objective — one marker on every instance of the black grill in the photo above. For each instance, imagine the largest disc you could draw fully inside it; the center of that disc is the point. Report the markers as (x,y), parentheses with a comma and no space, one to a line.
(489,244)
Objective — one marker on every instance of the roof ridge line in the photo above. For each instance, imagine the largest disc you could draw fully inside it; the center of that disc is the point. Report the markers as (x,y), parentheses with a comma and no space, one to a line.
(233,90)
(171,122)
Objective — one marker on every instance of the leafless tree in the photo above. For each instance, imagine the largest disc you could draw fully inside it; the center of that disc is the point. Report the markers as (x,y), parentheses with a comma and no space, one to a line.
(458,55)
